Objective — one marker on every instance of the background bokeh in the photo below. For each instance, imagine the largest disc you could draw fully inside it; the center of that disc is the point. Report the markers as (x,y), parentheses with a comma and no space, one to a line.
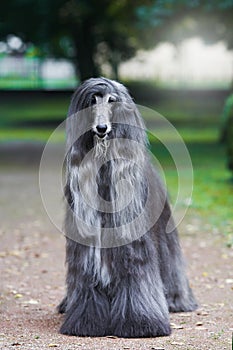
(174,56)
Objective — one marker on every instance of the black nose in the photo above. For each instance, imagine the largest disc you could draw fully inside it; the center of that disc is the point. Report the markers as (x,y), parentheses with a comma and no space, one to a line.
(101,128)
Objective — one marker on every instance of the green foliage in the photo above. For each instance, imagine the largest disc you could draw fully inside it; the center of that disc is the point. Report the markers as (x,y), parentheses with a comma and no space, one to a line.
(30,134)
(33,110)
(211,20)
(227,129)
(228,109)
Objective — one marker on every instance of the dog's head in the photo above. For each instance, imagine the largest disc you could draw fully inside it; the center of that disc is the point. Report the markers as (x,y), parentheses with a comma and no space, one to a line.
(102,110)
(100,96)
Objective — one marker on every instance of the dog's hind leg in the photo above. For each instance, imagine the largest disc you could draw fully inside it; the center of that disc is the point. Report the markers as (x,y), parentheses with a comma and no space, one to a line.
(178,293)
(61,308)
(172,267)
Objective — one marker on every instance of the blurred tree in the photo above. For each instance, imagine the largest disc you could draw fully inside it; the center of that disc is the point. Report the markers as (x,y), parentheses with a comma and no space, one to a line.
(93,32)
(209,19)
(89,31)
(86,30)
(227,130)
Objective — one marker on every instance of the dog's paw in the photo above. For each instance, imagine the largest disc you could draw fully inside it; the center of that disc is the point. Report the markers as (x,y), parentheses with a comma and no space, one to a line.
(179,303)
(145,329)
(87,319)
(61,308)
(81,328)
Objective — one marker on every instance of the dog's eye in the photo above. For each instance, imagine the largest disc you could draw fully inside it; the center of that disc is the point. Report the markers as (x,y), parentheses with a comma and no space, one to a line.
(111,99)
(93,100)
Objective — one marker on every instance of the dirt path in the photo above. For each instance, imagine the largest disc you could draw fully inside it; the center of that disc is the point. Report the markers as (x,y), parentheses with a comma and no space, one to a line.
(32,277)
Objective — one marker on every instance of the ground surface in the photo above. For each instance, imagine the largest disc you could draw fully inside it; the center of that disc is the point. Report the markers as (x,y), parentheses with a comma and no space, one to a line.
(32,274)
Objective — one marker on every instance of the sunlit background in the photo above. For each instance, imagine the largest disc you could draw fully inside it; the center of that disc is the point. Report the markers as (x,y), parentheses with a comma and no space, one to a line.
(192,63)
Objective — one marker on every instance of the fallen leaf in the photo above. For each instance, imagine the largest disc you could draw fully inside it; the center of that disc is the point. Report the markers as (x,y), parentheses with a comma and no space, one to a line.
(229,280)
(201,328)
(202,313)
(220,304)
(15,253)
(208,286)
(18,296)
(32,302)
(176,326)
(111,337)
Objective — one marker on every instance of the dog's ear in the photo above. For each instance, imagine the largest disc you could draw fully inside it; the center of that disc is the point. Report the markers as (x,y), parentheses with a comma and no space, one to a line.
(75,104)
(79,98)
(72,130)
(128,123)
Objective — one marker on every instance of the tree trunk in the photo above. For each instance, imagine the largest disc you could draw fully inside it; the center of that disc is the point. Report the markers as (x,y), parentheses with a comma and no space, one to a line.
(115,61)
(85,51)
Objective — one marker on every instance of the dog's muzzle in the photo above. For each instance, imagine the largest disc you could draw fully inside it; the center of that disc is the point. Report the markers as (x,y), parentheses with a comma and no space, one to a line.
(101,130)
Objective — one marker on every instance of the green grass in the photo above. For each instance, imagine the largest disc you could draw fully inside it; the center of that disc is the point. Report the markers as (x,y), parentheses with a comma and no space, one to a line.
(31,109)
(212,198)
(30,134)
(33,83)
(188,134)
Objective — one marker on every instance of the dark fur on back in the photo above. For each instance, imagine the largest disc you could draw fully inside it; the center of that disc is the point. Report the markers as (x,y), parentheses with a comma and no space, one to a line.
(122,278)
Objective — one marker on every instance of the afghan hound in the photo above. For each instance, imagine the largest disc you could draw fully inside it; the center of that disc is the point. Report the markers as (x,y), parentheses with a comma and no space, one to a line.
(125,272)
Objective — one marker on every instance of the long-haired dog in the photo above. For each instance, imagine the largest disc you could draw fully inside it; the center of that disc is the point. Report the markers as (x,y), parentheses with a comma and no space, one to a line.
(124,271)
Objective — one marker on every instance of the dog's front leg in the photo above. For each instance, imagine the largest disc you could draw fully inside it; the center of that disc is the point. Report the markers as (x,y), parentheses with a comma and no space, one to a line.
(139,309)
(88,315)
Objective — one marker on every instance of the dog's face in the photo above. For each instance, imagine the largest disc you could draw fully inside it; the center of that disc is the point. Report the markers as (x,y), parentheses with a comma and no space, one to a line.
(102,109)
(101,100)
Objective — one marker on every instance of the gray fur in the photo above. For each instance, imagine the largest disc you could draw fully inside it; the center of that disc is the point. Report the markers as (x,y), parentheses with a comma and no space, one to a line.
(124,272)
